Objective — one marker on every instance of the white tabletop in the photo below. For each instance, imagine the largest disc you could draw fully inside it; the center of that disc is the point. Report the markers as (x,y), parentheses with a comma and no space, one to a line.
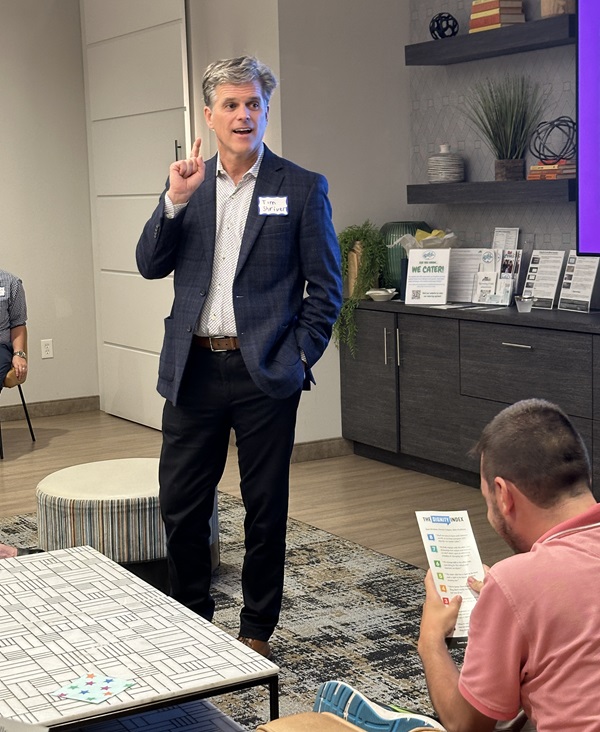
(70,612)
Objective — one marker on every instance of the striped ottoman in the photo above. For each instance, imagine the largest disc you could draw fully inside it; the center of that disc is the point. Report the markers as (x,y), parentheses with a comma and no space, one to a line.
(111,505)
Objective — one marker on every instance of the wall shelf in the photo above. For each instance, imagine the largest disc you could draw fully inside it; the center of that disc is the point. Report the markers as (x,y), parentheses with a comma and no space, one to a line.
(519,191)
(558,30)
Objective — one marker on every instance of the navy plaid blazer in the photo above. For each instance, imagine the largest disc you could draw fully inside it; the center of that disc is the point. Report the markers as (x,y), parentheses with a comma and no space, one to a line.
(287,290)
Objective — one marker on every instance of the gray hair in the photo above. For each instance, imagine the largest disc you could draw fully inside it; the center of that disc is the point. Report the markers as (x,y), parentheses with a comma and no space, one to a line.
(240,70)
(534,445)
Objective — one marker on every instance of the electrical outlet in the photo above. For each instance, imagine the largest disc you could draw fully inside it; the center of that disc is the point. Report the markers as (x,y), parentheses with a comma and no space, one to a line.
(47,349)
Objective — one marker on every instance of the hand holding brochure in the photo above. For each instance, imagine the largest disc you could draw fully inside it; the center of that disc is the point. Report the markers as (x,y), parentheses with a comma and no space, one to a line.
(453,557)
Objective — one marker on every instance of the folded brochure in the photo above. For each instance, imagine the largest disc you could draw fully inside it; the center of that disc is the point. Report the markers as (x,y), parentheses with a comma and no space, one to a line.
(453,557)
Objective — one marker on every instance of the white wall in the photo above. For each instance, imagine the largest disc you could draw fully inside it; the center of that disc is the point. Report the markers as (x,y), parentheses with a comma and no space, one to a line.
(226,29)
(345,100)
(345,113)
(46,237)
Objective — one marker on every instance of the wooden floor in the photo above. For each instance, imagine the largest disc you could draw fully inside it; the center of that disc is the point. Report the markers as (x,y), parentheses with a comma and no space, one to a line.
(367,502)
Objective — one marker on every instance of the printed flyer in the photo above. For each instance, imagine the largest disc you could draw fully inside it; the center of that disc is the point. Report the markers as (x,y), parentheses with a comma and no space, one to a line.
(578,283)
(453,557)
(427,279)
(505,238)
(465,264)
(542,277)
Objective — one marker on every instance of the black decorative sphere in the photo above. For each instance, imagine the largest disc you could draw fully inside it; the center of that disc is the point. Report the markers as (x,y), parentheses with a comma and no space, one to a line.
(554,140)
(443,25)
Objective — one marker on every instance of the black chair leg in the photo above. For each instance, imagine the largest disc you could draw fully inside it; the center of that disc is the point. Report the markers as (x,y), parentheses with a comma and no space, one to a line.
(26,414)
(26,417)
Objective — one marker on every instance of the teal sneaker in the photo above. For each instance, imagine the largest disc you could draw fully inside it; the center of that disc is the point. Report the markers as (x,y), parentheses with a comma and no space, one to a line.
(338,698)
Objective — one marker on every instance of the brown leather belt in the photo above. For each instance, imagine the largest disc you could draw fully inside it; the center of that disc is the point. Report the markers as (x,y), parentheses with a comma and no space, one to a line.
(217,343)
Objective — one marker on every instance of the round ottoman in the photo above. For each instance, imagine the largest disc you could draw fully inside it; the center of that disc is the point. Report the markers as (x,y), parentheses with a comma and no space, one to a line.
(111,505)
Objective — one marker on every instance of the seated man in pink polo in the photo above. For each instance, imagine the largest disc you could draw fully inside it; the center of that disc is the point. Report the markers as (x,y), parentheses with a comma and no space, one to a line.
(534,636)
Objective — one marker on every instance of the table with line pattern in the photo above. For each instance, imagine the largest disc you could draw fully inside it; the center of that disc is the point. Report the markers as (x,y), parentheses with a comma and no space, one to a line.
(72,612)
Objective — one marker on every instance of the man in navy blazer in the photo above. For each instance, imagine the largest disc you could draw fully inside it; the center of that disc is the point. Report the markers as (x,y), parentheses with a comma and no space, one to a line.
(249,238)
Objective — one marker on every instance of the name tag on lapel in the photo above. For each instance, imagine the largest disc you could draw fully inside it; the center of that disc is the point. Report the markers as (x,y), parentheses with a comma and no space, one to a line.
(272,205)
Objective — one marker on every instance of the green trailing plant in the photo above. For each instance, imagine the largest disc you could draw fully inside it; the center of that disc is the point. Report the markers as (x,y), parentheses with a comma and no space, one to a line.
(370,266)
(506,112)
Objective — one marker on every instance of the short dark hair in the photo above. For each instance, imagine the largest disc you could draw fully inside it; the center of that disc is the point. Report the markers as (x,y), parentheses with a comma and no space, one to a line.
(533,444)
(240,70)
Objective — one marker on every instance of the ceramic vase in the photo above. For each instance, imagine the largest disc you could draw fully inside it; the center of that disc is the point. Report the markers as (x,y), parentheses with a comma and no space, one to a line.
(445,167)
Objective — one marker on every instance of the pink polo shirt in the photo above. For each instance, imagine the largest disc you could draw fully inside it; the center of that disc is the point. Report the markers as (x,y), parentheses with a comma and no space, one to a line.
(534,635)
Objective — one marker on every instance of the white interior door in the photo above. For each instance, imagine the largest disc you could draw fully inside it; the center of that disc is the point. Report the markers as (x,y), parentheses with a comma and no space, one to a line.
(137,97)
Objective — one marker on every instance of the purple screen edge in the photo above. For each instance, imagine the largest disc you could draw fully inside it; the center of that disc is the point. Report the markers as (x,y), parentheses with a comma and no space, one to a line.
(588,128)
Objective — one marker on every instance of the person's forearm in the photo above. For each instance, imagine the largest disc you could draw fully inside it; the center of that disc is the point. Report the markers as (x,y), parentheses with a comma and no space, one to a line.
(18,338)
(442,674)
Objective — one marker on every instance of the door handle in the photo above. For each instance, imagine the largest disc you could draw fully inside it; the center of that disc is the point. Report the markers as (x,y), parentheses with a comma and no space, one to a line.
(177,149)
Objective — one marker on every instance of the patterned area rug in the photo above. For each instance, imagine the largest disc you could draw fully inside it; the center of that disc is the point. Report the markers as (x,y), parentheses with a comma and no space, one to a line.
(20,531)
(349,613)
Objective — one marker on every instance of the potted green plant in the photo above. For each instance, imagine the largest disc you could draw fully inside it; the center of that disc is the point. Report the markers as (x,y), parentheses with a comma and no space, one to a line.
(363,255)
(506,112)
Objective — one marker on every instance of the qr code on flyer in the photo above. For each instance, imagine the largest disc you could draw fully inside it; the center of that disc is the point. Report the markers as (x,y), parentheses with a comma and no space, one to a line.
(416,295)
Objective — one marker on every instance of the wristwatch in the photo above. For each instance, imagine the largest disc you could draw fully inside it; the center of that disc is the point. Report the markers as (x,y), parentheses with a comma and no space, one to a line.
(22,354)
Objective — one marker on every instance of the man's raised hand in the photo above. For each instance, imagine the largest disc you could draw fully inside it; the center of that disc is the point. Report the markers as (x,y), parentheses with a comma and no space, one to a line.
(186,176)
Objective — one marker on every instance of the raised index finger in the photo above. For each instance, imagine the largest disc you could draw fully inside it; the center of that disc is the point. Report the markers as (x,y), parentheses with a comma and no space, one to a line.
(196,148)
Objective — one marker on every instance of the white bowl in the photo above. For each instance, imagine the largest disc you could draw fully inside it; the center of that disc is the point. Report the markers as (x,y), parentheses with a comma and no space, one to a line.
(381,295)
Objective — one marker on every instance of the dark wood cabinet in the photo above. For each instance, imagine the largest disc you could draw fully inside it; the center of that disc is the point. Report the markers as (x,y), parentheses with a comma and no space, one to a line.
(506,363)
(425,382)
(369,383)
(476,413)
(429,387)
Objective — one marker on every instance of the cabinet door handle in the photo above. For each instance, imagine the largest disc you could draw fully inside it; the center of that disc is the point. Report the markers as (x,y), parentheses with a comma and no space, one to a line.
(385,332)
(397,346)
(518,345)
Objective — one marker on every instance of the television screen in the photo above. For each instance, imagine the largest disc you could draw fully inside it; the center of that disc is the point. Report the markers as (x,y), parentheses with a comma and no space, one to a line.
(588,128)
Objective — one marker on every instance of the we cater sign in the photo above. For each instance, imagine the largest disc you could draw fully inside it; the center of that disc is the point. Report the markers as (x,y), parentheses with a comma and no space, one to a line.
(427,280)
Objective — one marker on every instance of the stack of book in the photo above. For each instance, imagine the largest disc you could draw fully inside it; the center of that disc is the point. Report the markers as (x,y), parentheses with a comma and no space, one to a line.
(489,14)
(554,171)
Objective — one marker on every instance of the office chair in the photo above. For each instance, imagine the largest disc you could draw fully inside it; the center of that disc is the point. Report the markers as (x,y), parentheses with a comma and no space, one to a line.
(26,417)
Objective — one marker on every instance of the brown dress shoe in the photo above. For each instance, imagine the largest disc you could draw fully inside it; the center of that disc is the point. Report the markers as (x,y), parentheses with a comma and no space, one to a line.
(259,646)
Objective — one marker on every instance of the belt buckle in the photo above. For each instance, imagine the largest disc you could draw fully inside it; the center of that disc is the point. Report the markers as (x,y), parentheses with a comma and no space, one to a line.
(212,348)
